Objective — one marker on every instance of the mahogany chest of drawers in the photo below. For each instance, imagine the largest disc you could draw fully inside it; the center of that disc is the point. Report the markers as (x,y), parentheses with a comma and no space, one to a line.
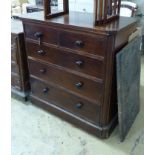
(19,68)
(72,67)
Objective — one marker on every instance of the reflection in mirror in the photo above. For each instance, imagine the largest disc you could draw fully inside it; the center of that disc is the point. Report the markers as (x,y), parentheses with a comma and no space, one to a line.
(56,6)
(39,2)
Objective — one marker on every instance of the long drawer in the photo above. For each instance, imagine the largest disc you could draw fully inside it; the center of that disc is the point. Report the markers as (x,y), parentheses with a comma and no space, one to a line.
(66,59)
(41,33)
(93,44)
(71,103)
(57,75)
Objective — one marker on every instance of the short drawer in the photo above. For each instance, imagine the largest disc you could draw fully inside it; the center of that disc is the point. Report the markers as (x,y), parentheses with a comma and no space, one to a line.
(41,33)
(15,81)
(66,101)
(66,59)
(57,75)
(14,67)
(93,44)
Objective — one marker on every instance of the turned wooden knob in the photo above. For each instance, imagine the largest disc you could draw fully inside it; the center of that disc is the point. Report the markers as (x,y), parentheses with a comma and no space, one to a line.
(79,43)
(45,90)
(79,63)
(41,52)
(38,35)
(79,84)
(42,70)
(79,105)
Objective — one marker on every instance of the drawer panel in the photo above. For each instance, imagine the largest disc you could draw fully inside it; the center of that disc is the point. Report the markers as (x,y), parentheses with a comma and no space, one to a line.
(14,67)
(78,84)
(67,59)
(94,44)
(14,47)
(15,81)
(46,34)
(66,101)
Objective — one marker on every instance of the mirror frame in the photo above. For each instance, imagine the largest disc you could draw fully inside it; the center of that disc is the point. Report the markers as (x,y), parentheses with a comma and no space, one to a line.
(48,12)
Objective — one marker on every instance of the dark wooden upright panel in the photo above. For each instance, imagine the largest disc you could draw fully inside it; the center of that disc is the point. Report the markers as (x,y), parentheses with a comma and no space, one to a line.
(19,68)
(72,67)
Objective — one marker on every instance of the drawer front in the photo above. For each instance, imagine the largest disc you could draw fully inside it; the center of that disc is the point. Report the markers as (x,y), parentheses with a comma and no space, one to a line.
(15,81)
(94,44)
(66,101)
(66,59)
(14,48)
(78,84)
(14,67)
(41,33)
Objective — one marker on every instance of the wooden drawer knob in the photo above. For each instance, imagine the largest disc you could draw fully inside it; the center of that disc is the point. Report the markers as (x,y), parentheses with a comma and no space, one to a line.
(43,71)
(38,35)
(79,105)
(79,84)
(79,43)
(41,52)
(79,63)
(45,90)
